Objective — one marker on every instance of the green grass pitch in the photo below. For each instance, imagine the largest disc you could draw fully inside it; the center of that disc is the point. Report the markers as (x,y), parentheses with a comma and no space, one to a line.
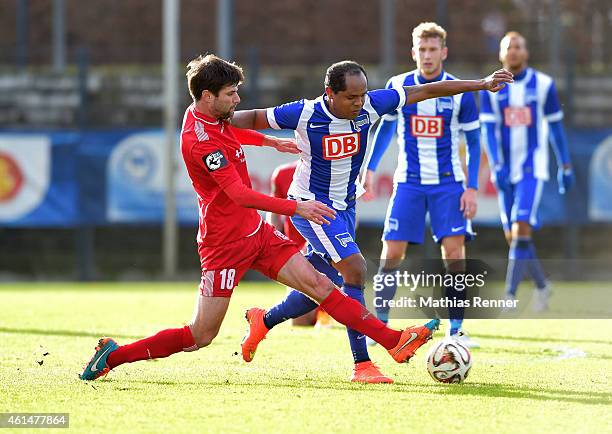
(529,375)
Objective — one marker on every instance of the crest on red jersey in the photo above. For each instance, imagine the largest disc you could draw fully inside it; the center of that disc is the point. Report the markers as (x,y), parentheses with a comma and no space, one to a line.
(214,161)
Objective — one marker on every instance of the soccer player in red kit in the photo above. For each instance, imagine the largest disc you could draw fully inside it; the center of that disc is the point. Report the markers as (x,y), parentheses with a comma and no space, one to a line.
(232,237)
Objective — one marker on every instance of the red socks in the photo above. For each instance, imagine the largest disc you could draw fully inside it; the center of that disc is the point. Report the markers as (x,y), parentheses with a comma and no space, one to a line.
(163,344)
(349,312)
(343,309)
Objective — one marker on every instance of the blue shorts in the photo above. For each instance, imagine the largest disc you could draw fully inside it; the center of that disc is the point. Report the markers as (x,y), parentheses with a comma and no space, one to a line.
(336,240)
(409,205)
(520,202)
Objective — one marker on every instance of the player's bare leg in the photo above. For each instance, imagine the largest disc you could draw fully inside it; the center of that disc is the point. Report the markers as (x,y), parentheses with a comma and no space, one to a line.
(208,316)
(299,273)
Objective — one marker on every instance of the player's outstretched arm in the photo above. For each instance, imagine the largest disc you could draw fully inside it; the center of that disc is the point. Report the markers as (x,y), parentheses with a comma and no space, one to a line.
(255,119)
(252,137)
(492,83)
(246,197)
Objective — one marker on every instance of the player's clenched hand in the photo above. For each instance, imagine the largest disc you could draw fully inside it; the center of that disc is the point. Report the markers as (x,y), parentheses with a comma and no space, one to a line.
(315,211)
(281,145)
(468,203)
(496,81)
(368,186)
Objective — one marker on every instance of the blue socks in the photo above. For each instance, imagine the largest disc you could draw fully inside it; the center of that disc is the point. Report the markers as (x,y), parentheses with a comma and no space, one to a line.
(386,293)
(455,314)
(518,258)
(356,339)
(294,305)
(297,304)
(455,326)
(535,268)
(522,257)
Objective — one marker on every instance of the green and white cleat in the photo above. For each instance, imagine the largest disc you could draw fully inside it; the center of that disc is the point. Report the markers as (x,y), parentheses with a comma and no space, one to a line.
(97,366)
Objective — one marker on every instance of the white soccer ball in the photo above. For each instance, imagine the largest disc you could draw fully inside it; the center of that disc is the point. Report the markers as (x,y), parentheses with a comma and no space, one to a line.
(449,361)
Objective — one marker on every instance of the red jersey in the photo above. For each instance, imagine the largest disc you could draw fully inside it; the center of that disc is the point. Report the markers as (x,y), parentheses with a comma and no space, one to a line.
(282,178)
(280,182)
(214,160)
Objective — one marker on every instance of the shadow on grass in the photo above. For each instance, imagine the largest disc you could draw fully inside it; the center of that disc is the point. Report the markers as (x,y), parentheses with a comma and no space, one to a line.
(466,389)
(546,353)
(544,394)
(52,332)
(537,339)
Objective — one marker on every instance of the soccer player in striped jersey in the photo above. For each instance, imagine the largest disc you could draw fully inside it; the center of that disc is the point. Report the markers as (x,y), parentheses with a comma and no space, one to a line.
(280,182)
(232,238)
(331,131)
(429,175)
(519,122)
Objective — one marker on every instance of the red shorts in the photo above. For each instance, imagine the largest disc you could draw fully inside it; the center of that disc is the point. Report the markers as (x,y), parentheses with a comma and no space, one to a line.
(266,251)
(293,234)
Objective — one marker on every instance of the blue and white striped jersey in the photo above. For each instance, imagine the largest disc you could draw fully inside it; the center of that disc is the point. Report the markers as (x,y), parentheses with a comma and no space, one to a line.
(333,149)
(521,112)
(428,133)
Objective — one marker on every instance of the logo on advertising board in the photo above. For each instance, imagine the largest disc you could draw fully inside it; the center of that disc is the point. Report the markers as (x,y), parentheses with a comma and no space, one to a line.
(11,177)
(25,173)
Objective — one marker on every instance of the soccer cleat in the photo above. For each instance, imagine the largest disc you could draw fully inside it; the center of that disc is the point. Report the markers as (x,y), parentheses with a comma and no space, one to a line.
(412,339)
(97,365)
(255,333)
(324,320)
(462,337)
(368,372)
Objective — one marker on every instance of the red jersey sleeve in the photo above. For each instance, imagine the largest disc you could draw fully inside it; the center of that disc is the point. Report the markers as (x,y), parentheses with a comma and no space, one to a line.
(214,160)
(247,137)
(223,172)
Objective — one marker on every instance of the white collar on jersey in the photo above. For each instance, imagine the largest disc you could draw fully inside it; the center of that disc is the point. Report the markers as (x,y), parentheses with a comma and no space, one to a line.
(417,81)
(195,115)
(201,119)
(322,99)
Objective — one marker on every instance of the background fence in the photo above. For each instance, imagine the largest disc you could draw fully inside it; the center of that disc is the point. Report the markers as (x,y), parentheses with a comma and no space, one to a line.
(81,109)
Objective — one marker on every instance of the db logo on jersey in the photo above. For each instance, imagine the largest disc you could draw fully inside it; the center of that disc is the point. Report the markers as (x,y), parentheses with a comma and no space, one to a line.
(339,146)
(517,116)
(426,126)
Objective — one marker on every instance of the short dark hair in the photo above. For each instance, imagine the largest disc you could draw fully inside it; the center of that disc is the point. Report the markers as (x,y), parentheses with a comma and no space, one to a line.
(335,77)
(211,73)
